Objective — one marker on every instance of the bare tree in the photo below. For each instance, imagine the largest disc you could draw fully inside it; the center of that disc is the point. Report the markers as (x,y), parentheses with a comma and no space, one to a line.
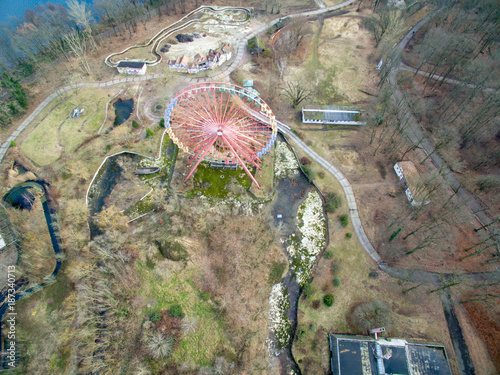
(295,92)
(78,45)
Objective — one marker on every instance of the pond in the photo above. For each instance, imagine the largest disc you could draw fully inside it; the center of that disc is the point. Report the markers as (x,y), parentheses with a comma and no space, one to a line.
(123,110)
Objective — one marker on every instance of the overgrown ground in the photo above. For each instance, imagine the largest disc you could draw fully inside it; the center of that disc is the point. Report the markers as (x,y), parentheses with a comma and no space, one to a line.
(224,302)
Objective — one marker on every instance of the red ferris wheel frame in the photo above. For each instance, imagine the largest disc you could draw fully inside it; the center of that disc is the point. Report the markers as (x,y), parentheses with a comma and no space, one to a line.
(221,123)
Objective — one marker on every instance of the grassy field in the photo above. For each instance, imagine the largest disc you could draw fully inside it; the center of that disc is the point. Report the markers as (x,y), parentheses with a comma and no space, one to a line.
(53,131)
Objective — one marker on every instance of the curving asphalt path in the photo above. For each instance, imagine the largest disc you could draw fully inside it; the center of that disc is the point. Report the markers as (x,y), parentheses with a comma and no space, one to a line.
(219,76)
(415,134)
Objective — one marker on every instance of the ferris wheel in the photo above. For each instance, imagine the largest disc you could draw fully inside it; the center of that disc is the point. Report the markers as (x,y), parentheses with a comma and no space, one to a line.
(221,123)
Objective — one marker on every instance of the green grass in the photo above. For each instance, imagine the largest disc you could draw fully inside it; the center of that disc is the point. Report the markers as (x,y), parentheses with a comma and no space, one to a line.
(178,289)
(219,182)
(45,144)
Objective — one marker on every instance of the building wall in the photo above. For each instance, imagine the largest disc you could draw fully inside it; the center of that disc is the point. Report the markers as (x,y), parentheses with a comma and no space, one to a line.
(132,71)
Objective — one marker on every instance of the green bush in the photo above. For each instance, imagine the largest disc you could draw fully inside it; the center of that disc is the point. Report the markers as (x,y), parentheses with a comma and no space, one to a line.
(328,254)
(308,172)
(307,290)
(333,201)
(149,132)
(337,282)
(176,311)
(335,267)
(172,250)
(348,235)
(135,124)
(344,220)
(155,317)
(267,53)
(204,295)
(162,123)
(12,144)
(276,272)
(328,299)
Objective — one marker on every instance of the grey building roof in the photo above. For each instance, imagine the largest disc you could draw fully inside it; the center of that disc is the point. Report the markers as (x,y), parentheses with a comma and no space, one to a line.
(131,64)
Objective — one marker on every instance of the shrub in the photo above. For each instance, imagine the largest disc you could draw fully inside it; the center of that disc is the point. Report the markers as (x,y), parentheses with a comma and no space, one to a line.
(149,132)
(336,281)
(162,123)
(305,160)
(333,201)
(373,274)
(308,172)
(348,235)
(267,53)
(328,299)
(12,144)
(135,124)
(335,267)
(328,254)
(321,174)
(155,317)
(172,250)
(316,303)
(370,315)
(276,272)
(307,290)
(160,346)
(344,220)
(204,295)
(176,311)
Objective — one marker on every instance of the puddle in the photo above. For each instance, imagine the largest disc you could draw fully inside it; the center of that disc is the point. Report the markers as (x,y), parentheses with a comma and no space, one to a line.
(123,110)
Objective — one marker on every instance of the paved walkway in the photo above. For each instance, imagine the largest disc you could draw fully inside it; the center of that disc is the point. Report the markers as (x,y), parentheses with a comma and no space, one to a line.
(447,80)
(219,76)
(349,194)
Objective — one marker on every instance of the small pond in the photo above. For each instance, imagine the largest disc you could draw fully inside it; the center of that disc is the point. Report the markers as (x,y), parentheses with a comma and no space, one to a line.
(123,110)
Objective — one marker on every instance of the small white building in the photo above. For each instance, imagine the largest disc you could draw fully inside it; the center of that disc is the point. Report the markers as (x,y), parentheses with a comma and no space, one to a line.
(132,67)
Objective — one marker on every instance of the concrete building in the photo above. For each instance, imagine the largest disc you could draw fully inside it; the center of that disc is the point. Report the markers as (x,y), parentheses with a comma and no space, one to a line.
(132,67)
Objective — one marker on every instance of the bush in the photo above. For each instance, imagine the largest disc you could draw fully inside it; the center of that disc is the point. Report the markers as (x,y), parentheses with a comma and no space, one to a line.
(267,53)
(135,124)
(149,132)
(321,174)
(308,172)
(316,303)
(155,317)
(370,315)
(344,220)
(12,144)
(204,295)
(172,250)
(373,274)
(335,267)
(160,346)
(276,272)
(333,201)
(328,254)
(348,235)
(307,290)
(337,282)
(328,299)
(162,123)
(305,160)
(176,311)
